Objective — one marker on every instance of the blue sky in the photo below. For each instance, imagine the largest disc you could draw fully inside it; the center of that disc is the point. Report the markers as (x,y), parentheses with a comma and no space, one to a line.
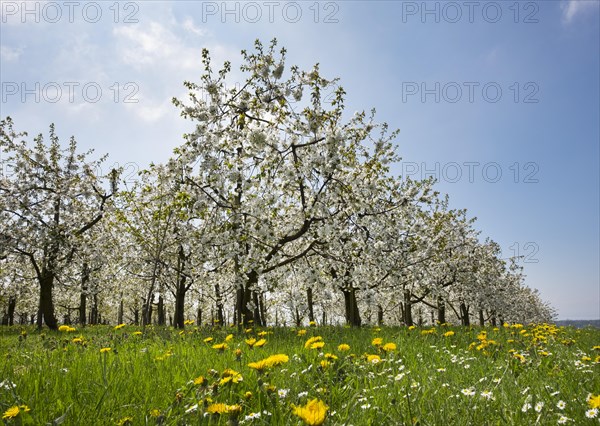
(500,100)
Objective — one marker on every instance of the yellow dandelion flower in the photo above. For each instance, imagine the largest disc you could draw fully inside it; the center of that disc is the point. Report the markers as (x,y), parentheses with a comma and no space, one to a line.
(412,327)
(343,347)
(118,327)
(61,328)
(220,408)
(104,350)
(324,363)
(301,332)
(312,324)
(269,362)
(312,340)
(77,340)
(330,356)
(389,347)
(208,340)
(199,380)
(313,413)
(125,421)
(248,395)
(11,413)
(377,341)
(449,333)
(594,401)
(220,346)
(373,359)
(260,343)
(262,333)
(137,333)
(155,412)
(250,342)
(317,345)
(229,337)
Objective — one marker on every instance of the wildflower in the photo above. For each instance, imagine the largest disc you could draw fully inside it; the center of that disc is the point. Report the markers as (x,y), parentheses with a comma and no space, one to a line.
(269,362)
(561,405)
(229,337)
(219,408)
(526,407)
(13,412)
(365,406)
(77,340)
(487,395)
(448,333)
(377,341)
(208,340)
(594,401)
(324,363)
(317,345)
(125,421)
(155,412)
(301,332)
(389,347)
(260,343)
(562,420)
(312,340)
(312,324)
(374,359)
(250,342)
(238,354)
(137,333)
(441,370)
(282,393)
(118,327)
(590,414)
(220,346)
(199,380)
(313,413)
(104,350)
(330,356)
(230,375)
(538,406)
(468,392)
(61,328)
(248,395)
(262,333)
(412,327)
(343,347)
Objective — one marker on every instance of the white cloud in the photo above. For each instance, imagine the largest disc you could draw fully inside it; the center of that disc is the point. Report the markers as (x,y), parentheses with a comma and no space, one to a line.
(573,8)
(188,25)
(10,54)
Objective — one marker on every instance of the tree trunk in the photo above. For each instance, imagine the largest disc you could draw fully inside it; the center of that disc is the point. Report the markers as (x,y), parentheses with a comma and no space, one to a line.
(199,316)
(352,313)
(256,314)
(493,318)
(161,310)
(441,310)
(481,318)
(379,315)
(323,318)
(180,305)
(464,314)
(219,299)
(263,310)
(12,304)
(407,311)
(46,303)
(136,316)
(120,313)
(309,300)
(243,297)
(85,277)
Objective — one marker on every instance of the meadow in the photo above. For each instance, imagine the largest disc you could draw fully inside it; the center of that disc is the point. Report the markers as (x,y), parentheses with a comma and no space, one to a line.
(444,375)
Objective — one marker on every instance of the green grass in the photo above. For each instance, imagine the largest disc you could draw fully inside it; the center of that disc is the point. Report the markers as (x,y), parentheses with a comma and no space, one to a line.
(421,382)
